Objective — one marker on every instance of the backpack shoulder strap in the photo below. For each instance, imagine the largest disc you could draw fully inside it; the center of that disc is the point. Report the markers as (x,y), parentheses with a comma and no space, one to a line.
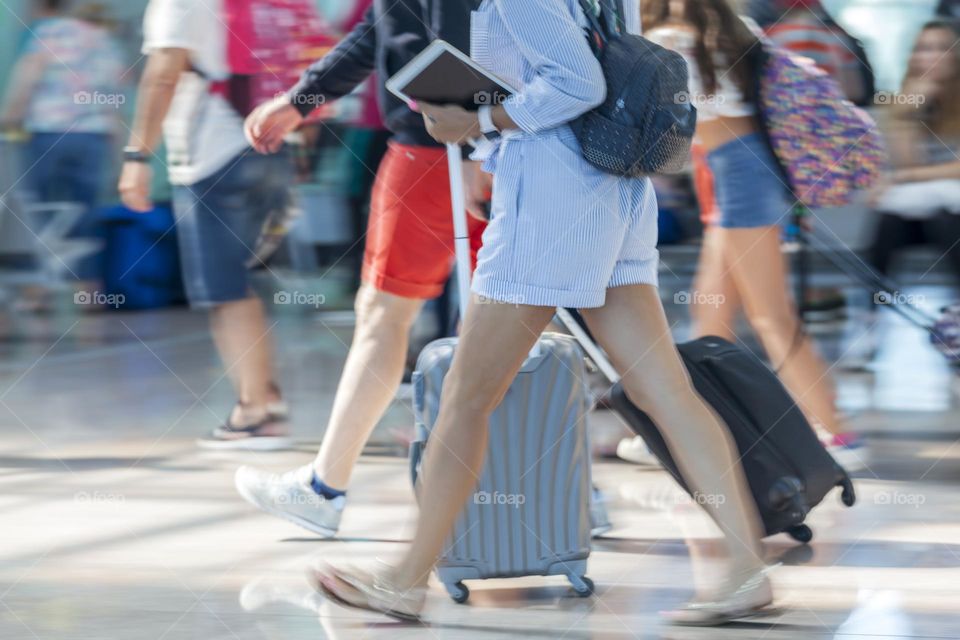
(619,13)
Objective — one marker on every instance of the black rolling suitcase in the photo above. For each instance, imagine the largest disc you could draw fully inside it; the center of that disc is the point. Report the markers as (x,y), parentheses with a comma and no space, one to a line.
(788,470)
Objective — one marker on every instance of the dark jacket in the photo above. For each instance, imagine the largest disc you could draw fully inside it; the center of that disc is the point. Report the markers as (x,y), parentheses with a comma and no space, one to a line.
(391,33)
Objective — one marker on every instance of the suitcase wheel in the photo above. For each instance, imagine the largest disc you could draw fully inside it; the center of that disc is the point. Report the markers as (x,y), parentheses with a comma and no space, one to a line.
(849,495)
(582,585)
(801,533)
(458,591)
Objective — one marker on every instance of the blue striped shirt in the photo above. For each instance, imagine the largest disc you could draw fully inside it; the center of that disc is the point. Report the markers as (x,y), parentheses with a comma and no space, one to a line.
(539,47)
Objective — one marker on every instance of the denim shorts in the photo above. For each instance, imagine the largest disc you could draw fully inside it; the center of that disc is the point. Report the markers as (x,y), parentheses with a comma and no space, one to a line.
(219,220)
(750,191)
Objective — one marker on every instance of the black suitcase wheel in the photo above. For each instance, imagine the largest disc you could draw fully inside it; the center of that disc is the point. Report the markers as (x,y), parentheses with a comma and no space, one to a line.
(582,585)
(801,533)
(848,495)
(458,591)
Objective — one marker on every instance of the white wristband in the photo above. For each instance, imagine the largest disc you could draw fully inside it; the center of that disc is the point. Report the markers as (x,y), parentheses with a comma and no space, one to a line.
(487,126)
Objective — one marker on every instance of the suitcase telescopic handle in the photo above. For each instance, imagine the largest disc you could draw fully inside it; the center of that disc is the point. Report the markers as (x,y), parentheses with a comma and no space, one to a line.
(461,233)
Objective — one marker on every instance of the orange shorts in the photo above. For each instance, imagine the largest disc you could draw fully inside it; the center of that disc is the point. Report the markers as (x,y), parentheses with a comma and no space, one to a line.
(703,185)
(409,249)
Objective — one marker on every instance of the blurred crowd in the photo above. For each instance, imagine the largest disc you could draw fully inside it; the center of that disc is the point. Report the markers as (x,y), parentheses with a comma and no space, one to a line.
(68,100)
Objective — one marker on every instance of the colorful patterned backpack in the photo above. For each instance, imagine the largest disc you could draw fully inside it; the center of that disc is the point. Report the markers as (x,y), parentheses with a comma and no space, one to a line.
(828,148)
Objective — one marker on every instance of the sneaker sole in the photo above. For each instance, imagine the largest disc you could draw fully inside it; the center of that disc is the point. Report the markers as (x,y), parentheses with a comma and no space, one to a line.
(310,526)
(247,444)
(646,461)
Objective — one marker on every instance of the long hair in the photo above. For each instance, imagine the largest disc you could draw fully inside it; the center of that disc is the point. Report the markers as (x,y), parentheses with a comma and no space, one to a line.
(721,36)
(943,116)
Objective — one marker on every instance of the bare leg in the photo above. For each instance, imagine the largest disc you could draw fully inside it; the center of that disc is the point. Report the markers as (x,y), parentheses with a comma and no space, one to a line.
(715,300)
(633,329)
(243,340)
(759,271)
(494,343)
(370,379)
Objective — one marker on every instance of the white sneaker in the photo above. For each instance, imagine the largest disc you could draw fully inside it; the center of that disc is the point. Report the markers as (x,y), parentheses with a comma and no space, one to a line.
(290,496)
(635,450)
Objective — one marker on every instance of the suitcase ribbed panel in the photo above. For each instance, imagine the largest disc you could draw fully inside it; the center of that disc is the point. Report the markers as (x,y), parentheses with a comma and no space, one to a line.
(537,455)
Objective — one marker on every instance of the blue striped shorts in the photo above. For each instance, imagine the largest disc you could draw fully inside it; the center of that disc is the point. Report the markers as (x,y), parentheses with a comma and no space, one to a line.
(562,232)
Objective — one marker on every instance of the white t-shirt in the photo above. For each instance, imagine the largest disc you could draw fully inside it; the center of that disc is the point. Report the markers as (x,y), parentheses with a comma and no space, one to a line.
(727,102)
(202,131)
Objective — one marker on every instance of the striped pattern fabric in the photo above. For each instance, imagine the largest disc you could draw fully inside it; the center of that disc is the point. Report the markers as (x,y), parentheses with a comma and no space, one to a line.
(812,39)
(561,231)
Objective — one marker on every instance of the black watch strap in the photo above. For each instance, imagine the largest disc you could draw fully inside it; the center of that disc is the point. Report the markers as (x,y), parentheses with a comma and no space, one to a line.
(133,154)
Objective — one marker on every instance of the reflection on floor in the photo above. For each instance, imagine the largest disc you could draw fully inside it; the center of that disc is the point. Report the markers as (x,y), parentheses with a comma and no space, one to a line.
(114,526)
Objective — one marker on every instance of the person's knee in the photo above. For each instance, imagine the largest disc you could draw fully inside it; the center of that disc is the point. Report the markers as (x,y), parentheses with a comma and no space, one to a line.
(381,312)
(474,395)
(769,323)
(659,395)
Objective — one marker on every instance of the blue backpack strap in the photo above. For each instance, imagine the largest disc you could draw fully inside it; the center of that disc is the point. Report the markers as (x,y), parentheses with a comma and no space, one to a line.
(614,10)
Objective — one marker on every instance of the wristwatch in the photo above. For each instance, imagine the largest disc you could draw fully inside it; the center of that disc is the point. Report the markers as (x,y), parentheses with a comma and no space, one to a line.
(487,127)
(135,154)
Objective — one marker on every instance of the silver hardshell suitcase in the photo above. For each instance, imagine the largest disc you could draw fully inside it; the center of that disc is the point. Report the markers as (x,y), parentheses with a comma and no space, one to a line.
(530,513)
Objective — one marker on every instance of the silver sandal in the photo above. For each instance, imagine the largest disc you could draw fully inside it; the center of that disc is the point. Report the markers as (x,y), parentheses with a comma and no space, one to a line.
(753,596)
(351,587)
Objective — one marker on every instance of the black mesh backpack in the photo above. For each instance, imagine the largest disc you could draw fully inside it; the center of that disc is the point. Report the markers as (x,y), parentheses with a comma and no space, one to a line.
(646,123)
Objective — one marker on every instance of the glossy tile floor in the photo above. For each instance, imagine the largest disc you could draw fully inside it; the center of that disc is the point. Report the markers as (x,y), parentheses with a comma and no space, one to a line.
(114,526)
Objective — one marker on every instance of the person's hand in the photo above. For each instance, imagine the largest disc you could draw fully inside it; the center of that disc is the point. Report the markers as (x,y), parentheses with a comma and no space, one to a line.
(134,186)
(269,123)
(450,124)
(477,185)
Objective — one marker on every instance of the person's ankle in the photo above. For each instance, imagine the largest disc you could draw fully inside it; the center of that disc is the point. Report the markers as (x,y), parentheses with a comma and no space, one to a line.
(324,490)
(245,415)
(401,580)
(273,394)
(745,566)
